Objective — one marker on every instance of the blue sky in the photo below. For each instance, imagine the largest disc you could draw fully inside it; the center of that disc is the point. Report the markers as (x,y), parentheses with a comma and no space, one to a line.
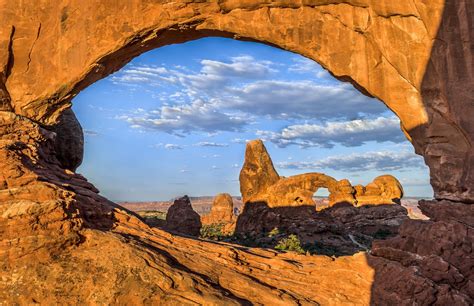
(175,120)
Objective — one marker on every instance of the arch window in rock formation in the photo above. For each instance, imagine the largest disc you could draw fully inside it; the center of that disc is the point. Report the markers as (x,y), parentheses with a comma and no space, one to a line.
(55,230)
(175,121)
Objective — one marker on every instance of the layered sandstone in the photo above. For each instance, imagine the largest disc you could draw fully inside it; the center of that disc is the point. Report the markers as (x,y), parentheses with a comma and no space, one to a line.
(56,231)
(259,181)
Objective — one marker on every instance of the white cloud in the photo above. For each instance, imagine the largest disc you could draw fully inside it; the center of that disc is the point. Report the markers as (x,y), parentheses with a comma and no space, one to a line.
(300,100)
(381,161)
(229,95)
(212,75)
(348,133)
(211,144)
(169,146)
(178,119)
(306,65)
(239,140)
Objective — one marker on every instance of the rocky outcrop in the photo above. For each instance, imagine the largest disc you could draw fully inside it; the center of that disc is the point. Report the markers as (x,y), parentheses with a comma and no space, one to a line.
(384,189)
(69,141)
(222,214)
(222,210)
(56,231)
(260,183)
(339,230)
(439,250)
(181,218)
(342,192)
(257,173)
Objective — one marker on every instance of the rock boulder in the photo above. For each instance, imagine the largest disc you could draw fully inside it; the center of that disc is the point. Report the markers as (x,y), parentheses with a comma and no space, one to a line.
(222,210)
(385,189)
(181,218)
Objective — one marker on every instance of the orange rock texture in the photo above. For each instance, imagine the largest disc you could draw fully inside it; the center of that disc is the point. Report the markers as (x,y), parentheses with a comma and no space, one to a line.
(222,210)
(260,183)
(60,242)
(385,189)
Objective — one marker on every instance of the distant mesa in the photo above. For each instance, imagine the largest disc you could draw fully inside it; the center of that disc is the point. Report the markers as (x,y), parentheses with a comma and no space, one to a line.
(260,182)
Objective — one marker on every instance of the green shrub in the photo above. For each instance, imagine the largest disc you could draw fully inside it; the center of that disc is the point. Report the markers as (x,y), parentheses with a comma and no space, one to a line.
(153,214)
(274,232)
(213,231)
(292,244)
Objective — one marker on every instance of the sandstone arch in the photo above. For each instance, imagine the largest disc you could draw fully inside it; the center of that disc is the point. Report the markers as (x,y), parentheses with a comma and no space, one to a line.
(391,57)
(416,56)
(260,183)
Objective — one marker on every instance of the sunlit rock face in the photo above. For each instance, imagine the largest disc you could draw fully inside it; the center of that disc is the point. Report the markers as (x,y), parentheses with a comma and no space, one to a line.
(222,210)
(260,183)
(56,231)
(385,189)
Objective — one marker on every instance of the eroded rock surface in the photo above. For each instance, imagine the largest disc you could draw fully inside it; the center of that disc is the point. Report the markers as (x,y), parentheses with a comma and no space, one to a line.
(222,214)
(385,189)
(259,181)
(181,218)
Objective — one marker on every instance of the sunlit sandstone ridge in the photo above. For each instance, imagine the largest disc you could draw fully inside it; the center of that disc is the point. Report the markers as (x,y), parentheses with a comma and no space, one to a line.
(56,231)
(260,182)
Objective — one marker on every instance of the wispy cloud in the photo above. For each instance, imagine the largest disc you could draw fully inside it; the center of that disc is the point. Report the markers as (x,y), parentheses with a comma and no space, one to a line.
(228,95)
(184,119)
(90,133)
(169,146)
(211,144)
(299,100)
(381,161)
(305,65)
(347,133)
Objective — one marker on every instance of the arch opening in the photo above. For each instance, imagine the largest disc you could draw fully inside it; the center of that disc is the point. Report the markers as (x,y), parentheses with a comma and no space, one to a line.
(170,124)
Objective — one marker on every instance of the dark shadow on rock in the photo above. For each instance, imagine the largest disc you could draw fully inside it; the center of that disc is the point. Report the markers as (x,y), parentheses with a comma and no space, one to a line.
(181,218)
(431,262)
(339,230)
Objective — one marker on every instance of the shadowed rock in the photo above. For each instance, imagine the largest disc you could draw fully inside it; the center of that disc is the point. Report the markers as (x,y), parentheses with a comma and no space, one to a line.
(339,230)
(181,218)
